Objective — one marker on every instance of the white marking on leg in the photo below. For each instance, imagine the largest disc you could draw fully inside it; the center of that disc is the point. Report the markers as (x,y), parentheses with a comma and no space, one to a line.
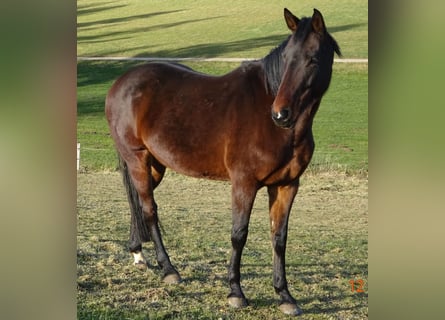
(138,258)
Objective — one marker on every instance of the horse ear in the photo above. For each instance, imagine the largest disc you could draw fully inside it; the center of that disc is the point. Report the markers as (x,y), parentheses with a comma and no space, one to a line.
(318,22)
(291,20)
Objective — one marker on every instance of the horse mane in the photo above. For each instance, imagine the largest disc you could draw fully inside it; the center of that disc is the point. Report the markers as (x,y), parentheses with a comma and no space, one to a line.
(336,46)
(273,68)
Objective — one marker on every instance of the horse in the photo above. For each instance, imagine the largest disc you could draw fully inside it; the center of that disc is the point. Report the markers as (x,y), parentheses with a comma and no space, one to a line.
(251,126)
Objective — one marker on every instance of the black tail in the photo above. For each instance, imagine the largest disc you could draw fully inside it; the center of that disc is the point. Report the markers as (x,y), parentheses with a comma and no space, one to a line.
(139,230)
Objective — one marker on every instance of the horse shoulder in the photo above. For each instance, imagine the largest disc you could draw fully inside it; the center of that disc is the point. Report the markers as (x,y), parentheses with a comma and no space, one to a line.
(292,165)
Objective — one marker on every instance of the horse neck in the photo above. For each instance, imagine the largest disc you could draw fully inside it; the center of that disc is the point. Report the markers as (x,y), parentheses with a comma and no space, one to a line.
(303,126)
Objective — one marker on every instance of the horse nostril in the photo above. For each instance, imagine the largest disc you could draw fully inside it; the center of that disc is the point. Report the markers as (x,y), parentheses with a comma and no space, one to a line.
(282,115)
(282,118)
(285,114)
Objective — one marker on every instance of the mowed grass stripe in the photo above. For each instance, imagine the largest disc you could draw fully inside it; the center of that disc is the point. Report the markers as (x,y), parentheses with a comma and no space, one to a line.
(206,28)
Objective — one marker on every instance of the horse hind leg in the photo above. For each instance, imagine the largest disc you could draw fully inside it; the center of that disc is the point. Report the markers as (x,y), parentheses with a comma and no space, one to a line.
(171,276)
(157,173)
(145,173)
(138,229)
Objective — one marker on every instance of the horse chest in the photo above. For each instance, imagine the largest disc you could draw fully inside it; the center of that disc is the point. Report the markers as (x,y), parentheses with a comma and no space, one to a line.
(292,168)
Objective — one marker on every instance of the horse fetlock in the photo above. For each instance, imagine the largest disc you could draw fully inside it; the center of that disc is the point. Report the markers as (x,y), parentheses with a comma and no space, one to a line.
(138,258)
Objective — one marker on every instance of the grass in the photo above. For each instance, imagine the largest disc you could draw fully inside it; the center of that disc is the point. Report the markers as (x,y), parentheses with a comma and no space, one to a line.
(327,247)
(341,124)
(209,28)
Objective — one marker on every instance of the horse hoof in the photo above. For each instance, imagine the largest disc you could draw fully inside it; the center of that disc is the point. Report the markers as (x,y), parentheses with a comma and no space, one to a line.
(172,278)
(237,303)
(290,309)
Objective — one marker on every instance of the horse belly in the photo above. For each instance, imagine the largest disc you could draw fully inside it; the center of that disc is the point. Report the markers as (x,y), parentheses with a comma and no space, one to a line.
(198,158)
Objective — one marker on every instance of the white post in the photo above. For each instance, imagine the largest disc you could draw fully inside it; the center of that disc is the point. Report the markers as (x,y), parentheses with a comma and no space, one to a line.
(78,155)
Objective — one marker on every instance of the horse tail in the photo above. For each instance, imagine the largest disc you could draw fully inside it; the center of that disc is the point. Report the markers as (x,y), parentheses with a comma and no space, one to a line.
(139,231)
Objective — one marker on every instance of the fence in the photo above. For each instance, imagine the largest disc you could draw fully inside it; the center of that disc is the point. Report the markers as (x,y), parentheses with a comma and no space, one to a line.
(78,156)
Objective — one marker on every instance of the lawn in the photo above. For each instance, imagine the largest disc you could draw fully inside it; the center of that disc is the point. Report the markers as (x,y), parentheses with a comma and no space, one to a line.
(327,248)
(204,28)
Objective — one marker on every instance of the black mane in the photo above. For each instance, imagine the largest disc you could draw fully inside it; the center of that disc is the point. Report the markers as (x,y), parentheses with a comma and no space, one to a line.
(273,68)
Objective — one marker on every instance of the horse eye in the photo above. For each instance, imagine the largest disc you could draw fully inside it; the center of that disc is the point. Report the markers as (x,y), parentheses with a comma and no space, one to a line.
(313,60)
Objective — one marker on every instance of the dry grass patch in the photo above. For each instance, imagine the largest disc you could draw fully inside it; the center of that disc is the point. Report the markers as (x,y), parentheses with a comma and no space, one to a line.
(327,247)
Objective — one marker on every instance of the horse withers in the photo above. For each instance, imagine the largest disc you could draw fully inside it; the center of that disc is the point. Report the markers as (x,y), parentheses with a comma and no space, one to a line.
(252,126)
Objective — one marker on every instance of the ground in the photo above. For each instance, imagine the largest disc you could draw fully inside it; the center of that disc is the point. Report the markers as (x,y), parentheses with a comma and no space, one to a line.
(327,249)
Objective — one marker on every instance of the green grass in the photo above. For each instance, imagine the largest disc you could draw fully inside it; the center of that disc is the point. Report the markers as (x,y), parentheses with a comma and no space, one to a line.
(340,127)
(341,124)
(327,247)
(205,28)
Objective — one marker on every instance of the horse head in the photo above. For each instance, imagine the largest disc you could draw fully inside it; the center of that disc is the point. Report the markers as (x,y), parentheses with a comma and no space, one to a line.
(307,68)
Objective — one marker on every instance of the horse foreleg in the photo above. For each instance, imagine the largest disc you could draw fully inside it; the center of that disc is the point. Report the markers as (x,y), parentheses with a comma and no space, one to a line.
(242,201)
(280,203)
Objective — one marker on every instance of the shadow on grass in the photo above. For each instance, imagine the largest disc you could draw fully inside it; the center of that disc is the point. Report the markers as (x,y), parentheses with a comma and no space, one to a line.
(329,300)
(99,76)
(346,27)
(218,49)
(100,23)
(110,36)
(200,50)
(84,9)
(325,270)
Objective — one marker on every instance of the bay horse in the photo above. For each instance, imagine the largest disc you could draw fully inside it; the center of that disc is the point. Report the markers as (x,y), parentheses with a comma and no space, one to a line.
(252,126)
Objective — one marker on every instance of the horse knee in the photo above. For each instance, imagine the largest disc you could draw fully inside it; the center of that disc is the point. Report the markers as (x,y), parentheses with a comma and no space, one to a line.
(239,236)
(279,242)
(150,209)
